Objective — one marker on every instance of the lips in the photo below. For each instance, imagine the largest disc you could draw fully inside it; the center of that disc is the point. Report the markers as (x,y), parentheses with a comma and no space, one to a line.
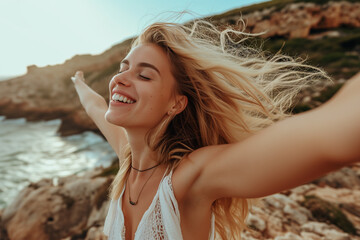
(120,96)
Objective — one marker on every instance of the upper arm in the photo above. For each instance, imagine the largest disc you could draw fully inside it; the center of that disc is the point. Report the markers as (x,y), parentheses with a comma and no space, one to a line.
(285,155)
(115,135)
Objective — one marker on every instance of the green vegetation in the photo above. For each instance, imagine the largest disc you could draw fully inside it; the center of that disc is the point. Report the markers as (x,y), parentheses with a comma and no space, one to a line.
(328,93)
(276,4)
(324,211)
(301,108)
(339,56)
(325,94)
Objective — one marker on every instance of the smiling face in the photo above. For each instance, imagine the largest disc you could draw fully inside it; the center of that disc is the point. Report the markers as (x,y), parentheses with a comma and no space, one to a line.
(143,92)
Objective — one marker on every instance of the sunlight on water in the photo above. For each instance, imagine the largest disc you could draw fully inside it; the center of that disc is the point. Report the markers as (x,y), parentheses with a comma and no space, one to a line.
(31,151)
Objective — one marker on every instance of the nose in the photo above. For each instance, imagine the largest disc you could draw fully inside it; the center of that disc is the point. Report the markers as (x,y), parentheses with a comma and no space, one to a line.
(122,79)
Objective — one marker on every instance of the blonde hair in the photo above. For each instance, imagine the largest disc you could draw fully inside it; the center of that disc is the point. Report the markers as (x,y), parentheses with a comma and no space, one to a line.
(233,91)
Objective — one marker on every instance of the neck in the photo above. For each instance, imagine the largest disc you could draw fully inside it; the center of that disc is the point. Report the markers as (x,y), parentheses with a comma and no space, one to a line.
(142,155)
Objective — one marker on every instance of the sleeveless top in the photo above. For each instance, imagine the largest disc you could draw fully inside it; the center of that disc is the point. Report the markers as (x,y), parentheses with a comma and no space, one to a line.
(160,221)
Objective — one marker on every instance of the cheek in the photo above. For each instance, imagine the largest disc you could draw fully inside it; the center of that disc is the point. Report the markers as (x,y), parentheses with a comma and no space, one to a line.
(158,102)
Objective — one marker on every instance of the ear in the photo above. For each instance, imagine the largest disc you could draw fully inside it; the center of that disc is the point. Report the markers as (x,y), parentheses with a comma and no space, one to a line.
(179,106)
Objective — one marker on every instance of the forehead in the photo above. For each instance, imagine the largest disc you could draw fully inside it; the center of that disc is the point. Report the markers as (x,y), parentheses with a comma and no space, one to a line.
(150,53)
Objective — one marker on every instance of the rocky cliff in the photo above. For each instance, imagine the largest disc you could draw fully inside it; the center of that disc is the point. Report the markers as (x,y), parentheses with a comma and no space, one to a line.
(75,206)
(296,20)
(47,93)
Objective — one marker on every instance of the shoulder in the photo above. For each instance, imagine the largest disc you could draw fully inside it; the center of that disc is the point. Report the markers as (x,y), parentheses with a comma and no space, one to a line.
(190,169)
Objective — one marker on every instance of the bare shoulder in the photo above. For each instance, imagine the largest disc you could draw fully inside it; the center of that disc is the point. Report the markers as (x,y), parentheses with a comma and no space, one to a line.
(191,168)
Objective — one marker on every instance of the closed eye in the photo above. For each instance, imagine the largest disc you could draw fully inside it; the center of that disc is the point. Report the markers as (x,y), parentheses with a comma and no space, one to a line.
(144,77)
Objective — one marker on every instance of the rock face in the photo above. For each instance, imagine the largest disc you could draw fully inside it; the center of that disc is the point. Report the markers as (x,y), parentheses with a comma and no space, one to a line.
(297,20)
(286,216)
(76,206)
(47,93)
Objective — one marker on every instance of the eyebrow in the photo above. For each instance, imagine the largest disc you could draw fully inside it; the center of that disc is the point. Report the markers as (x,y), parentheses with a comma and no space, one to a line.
(141,64)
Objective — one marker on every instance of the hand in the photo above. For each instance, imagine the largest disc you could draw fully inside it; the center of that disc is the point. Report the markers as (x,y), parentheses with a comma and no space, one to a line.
(79,75)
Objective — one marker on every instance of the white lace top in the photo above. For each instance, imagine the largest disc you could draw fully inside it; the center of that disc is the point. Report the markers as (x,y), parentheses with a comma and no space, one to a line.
(161,221)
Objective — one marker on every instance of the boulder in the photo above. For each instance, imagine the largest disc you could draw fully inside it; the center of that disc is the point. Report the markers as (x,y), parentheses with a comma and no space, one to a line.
(44,211)
(344,178)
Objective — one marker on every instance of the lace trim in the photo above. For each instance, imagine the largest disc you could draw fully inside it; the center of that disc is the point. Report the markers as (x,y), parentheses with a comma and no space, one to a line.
(169,182)
(153,228)
(123,232)
(157,229)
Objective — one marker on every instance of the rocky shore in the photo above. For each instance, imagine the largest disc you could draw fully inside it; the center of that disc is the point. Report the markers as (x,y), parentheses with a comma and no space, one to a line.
(75,207)
(47,93)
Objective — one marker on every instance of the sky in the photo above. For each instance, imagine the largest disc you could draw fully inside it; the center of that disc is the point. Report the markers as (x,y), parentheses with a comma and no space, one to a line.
(48,32)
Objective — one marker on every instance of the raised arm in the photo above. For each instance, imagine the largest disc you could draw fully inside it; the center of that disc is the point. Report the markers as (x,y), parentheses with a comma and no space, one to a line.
(96,107)
(287,154)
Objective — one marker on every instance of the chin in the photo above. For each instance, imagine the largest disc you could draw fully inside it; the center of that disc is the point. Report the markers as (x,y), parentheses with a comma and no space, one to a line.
(120,119)
(113,119)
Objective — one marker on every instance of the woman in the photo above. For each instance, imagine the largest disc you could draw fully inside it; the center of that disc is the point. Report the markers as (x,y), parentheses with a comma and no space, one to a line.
(199,124)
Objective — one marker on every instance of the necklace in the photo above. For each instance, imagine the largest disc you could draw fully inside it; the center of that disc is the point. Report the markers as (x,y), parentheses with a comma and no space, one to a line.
(147,169)
(137,200)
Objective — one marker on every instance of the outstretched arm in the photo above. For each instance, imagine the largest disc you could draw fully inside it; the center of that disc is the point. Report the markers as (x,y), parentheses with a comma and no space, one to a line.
(287,154)
(96,107)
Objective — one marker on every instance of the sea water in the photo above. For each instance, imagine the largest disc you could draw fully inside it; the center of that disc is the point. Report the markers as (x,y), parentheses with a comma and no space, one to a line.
(30,151)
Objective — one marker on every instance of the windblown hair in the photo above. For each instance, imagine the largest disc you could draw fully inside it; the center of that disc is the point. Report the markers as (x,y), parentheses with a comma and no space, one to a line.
(233,91)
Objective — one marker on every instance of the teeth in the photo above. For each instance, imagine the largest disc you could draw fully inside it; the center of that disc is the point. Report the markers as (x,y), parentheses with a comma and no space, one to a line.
(118,97)
(115,97)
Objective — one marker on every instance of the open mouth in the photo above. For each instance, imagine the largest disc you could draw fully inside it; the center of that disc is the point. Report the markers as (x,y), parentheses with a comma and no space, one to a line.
(120,98)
